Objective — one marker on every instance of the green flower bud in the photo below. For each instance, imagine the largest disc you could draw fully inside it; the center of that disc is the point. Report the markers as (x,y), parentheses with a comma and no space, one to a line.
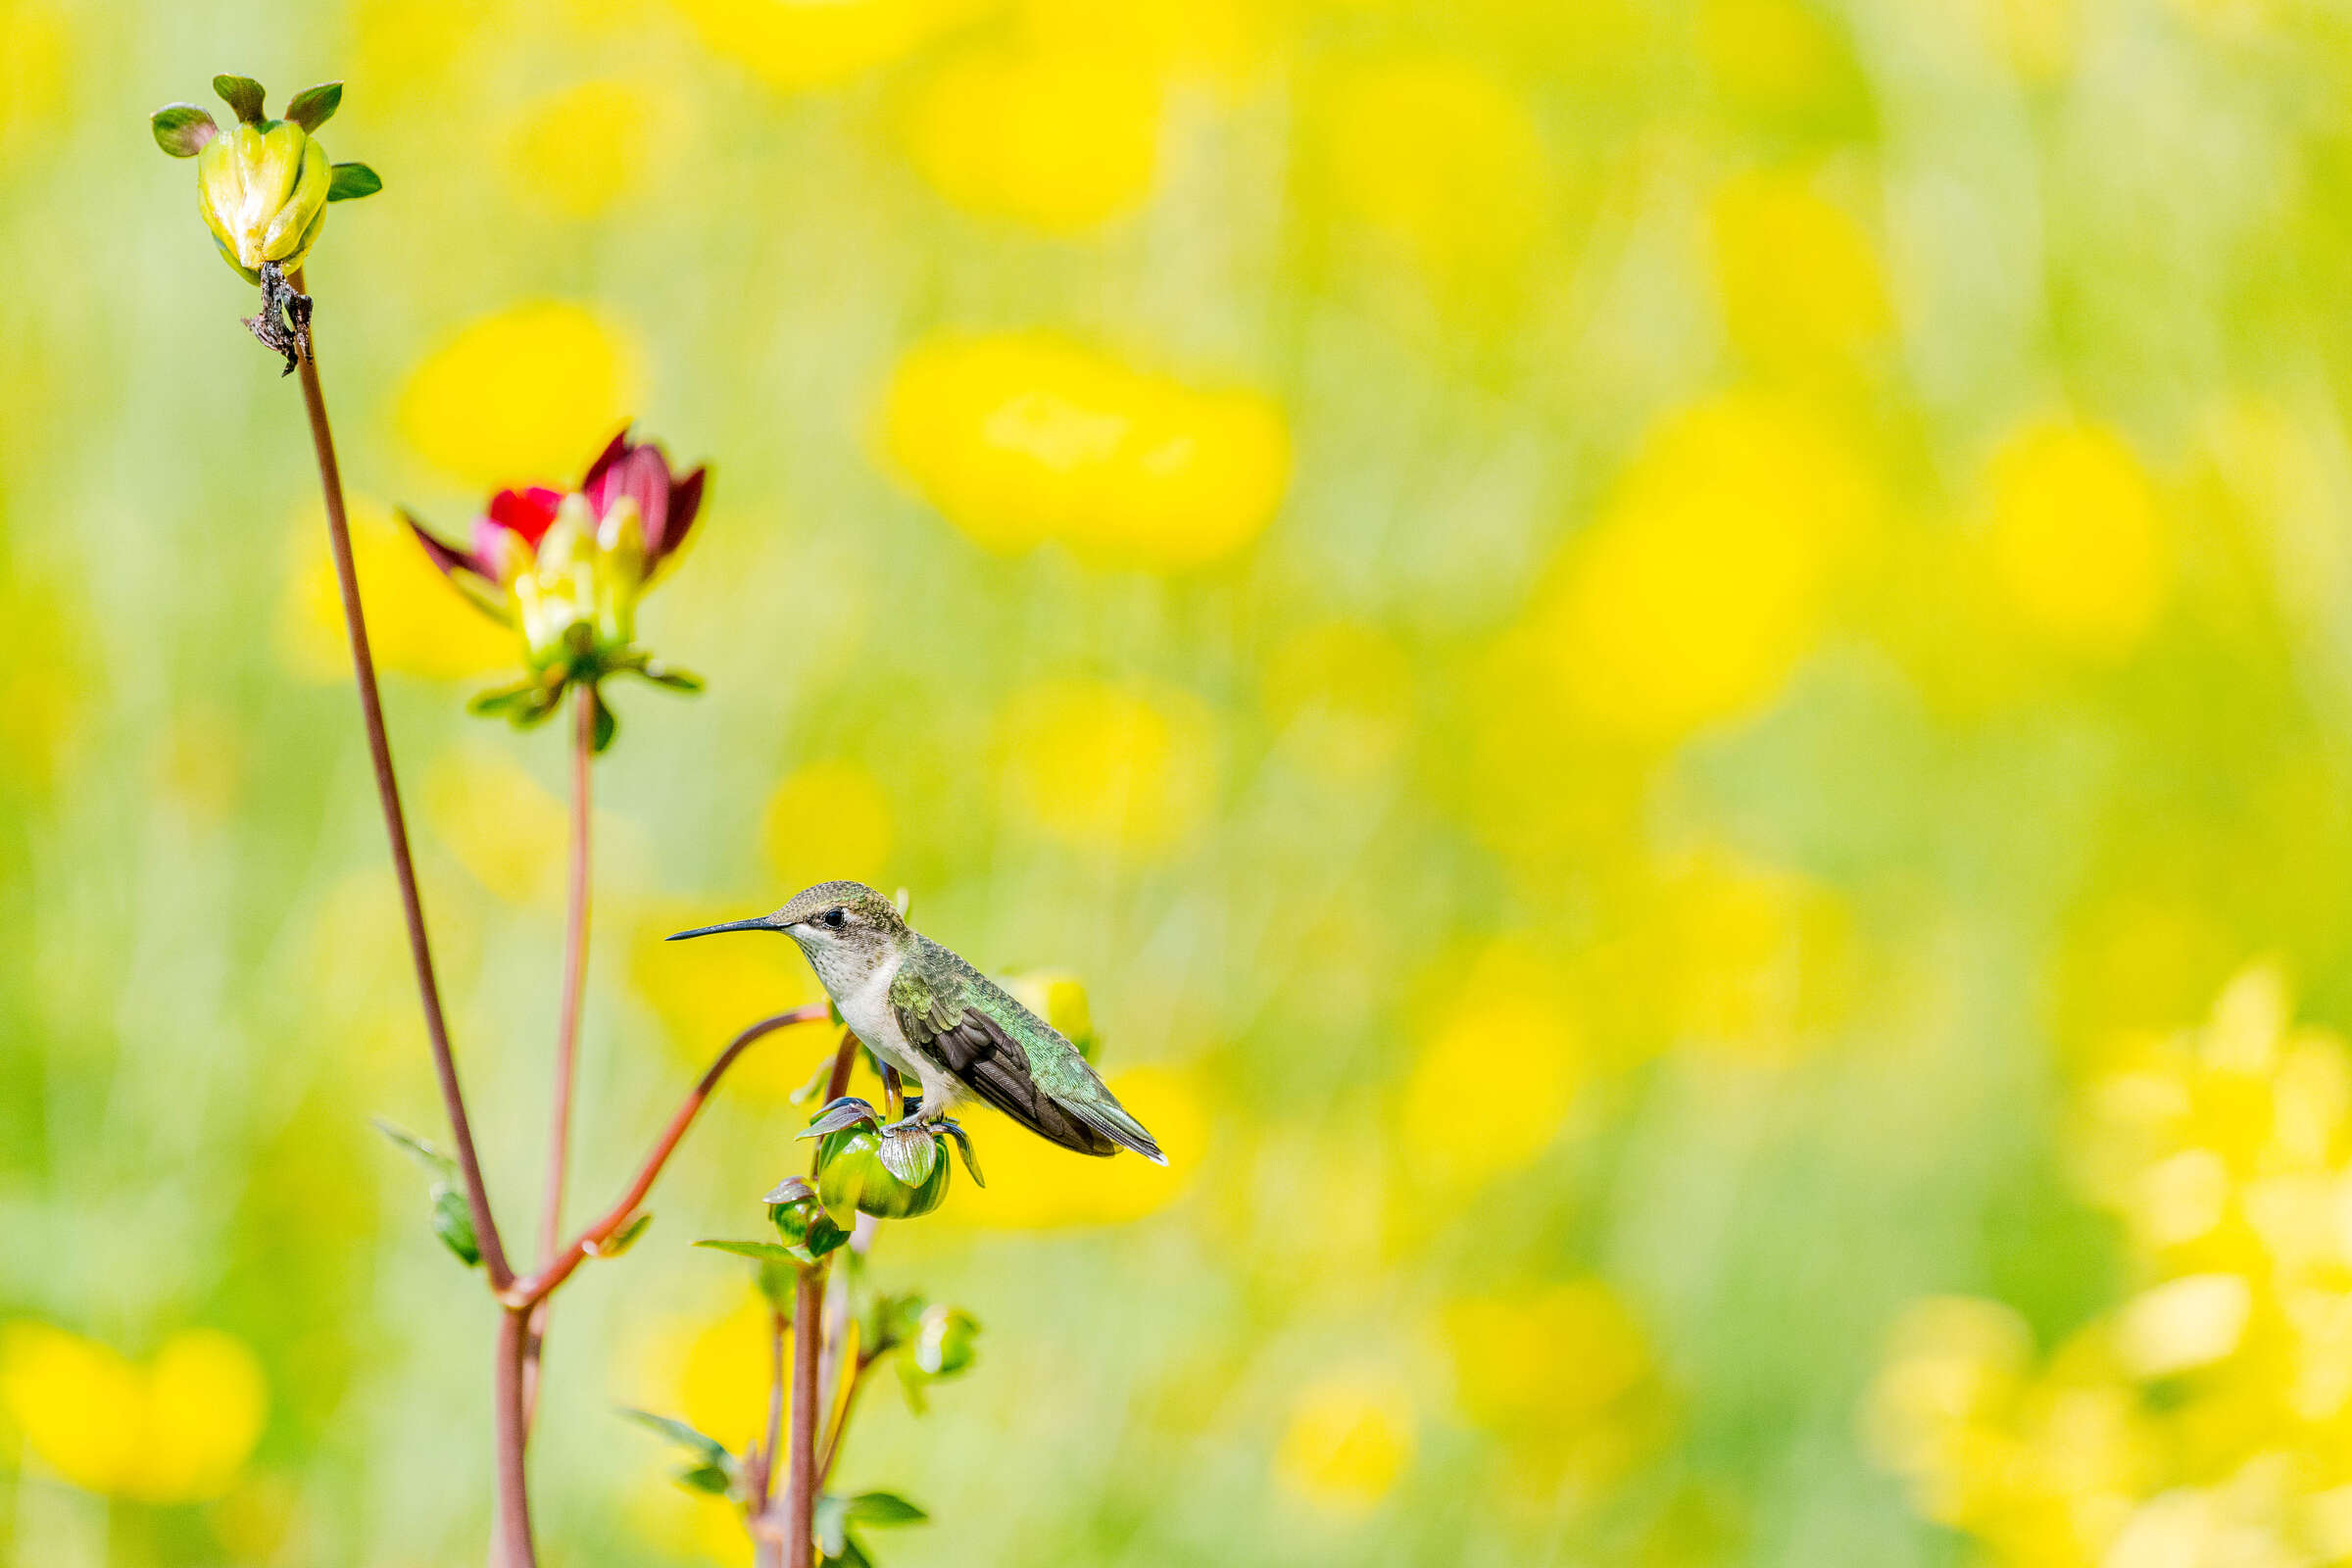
(942,1343)
(896,1173)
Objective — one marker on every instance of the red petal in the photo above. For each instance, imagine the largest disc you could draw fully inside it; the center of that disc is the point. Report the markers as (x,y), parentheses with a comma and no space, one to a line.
(685,504)
(529,511)
(614,450)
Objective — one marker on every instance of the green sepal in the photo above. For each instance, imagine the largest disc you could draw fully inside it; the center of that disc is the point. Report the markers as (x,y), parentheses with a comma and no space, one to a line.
(606,722)
(242,94)
(669,675)
(802,1222)
(523,705)
(314,107)
(352,181)
(963,1145)
(182,129)
(909,1152)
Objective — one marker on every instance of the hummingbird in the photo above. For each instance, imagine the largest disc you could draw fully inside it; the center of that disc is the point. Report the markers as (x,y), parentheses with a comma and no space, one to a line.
(944,1024)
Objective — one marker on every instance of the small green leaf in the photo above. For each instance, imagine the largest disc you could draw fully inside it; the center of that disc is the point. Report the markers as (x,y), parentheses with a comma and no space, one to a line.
(608,724)
(348,182)
(703,1446)
(707,1478)
(761,1252)
(242,94)
(625,1238)
(182,129)
(452,1222)
(432,1158)
(314,107)
(883,1509)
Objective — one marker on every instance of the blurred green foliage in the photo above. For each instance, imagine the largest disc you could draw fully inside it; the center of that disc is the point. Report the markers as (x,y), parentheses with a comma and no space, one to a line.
(1638,646)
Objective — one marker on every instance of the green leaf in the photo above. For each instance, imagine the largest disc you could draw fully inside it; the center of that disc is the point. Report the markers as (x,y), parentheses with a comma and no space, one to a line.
(314,107)
(182,129)
(432,1158)
(703,1446)
(851,1555)
(242,94)
(625,1238)
(762,1251)
(883,1509)
(707,1478)
(452,1222)
(348,182)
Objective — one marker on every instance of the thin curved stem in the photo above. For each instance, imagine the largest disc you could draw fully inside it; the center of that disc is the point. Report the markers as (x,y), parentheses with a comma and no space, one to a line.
(567,1035)
(808,1343)
(576,977)
(396,827)
(525,1292)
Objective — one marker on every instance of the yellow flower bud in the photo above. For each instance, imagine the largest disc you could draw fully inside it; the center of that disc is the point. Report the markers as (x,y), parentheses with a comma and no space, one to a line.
(247,186)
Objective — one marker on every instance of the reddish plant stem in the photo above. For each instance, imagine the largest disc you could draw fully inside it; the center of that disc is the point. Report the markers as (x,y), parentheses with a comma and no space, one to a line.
(396,827)
(526,1293)
(515,1549)
(567,1035)
(768,1546)
(808,1344)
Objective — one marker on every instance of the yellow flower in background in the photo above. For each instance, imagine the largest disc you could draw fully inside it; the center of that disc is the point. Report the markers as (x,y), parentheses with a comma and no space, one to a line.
(2077,538)
(724,1376)
(1565,1374)
(1508,994)
(704,993)
(1779,57)
(796,45)
(1018,438)
(1760,959)
(2038,38)
(175,1430)
(1063,141)
(577,151)
(1034,1184)
(1711,572)
(1222,44)
(415,624)
(1109,767)
(1441,156)
(1801,283)
(529,391)
(1342,694)
(1348,1442)
(827,820)
(500,823)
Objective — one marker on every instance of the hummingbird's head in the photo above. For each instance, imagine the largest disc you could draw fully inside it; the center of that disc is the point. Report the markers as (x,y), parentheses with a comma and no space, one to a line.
(845,927)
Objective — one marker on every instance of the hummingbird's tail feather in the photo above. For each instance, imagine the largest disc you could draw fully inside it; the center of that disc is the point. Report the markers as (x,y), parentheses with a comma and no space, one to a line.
(1110,1118)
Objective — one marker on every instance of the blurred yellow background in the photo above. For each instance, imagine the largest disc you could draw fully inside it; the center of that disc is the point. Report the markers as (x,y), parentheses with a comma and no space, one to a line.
(1677,670)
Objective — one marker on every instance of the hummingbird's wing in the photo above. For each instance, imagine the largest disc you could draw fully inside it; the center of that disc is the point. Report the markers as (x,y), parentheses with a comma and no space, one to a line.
(1008,1056)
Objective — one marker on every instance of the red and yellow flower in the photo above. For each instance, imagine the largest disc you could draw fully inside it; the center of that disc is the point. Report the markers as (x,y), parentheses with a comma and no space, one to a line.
(565,569)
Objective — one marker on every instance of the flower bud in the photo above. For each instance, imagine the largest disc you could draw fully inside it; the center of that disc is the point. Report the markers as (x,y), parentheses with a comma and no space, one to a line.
(894,1173)
(262,193)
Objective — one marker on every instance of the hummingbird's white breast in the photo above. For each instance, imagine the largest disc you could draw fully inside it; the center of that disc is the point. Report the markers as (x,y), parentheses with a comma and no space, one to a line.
(866,1008)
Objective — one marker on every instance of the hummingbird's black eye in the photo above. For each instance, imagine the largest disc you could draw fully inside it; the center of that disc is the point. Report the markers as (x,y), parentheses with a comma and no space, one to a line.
(835,919)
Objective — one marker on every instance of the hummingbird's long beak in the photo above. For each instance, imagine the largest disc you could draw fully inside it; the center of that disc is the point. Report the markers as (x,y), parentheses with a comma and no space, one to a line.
(758,922)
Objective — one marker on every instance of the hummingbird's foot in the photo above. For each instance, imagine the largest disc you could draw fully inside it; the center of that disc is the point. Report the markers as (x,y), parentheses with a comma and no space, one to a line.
(284,322)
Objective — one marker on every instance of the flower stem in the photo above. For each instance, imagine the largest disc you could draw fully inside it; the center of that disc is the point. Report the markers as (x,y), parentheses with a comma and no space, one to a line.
(808,1344)
(514,1500)
(567,1033)
(525,1292)
(516,1550)
(396,827)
